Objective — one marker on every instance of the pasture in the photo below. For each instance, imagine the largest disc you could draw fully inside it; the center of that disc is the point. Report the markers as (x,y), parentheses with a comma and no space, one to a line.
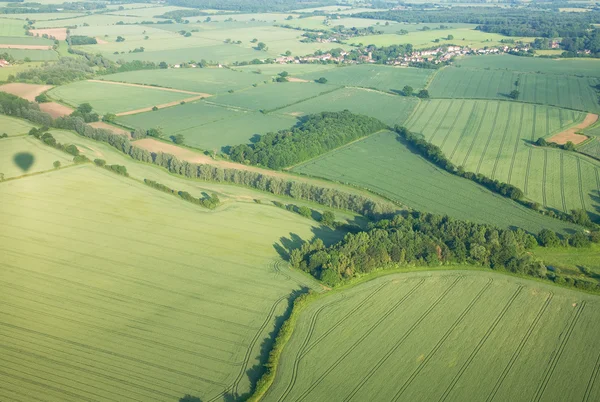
(32,54)
(80,324)
(387,167)
(390,109)
(111,98)
(585,67)
(208,80)
(383,78)
(480,335)
(26,155)
(566,91)
(571,261)
(13,126)
(209,126)
(11,27)
(494,138)
(26,40)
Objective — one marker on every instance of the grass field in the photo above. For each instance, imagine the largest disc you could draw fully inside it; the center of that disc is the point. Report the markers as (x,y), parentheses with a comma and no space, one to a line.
(591,148)
(425,39)
(207,80)
(390,109)
(383,78)
(585,67)
(83,292)
(571,261)
(26,40)
(384,165)
(480,335)
(209,126)
(33,55)
(494,137)
(13,126)
(565,91)
(25,155)
(108,98)
(10,27)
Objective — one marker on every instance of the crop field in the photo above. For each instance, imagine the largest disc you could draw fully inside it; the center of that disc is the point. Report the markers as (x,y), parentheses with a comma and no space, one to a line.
(79,324)
(494,137)
(383,78)
(558,90)
(13,126)
(293,69)
(109,98)
(272,96)
(26,40)
(10,27)
(209,126)
(570,260)
(425,39)
(25,155)
(586,67)
(591,148)
(480,335)
(33,55)
(385,166)
(390,109)
(208,80)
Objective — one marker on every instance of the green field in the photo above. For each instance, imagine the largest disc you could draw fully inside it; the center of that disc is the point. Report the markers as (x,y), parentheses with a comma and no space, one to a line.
(25,155)
(13,126)
(83,292)
(571,261)
(384,165)
(390,109)
(26,40)
(586,67)
(591,148)
(109,98)
(558,90)
(383,78)
(33,55)
(494,137)
(449,335)
(206,80)
(10,27)
(209,126)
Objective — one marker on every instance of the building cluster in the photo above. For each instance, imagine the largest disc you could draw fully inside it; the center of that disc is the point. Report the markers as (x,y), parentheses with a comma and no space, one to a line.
(4,63)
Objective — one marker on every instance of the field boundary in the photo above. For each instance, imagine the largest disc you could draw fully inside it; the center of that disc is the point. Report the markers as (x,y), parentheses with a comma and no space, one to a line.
(128,84)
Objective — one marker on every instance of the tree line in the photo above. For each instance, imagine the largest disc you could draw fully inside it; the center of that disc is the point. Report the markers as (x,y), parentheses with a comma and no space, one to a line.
(315,135)
(207,201)
(422,239)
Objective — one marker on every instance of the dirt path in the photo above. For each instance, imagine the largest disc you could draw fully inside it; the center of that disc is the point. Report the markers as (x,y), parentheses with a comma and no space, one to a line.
(27,47)
(58,33)
(55,109)
(294,79)
(25,91)
(151,87)
(116,130)
(571,133)
(164,105)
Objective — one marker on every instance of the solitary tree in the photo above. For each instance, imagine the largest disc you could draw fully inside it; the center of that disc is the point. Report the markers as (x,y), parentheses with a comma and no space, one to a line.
(407,90)
(322,80)
(450,37)
(163,65)
(423,94)
(514,94)
(56,164)
(261,46)
(328,218)
(178,139)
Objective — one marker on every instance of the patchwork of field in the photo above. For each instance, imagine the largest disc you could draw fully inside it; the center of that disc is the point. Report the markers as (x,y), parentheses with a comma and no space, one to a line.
(209,80)
(558,90)
(480,335)
(386,166)
(13,126)
(383,78)
(390,109)
(494,138)
(209,126)
(87,313)
(26,155)
(110,98)
(586,67)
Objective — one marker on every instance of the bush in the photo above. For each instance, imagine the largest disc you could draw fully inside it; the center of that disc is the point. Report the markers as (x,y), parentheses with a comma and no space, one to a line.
(100,162)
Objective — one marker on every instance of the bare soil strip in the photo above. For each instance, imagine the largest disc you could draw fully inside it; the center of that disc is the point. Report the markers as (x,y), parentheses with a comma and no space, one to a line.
(25,91)
(27,47)
(101,41)
(116,130)
(164,105)
(58,33)
(294,79)
(151,87)
(55,109)
(571,134)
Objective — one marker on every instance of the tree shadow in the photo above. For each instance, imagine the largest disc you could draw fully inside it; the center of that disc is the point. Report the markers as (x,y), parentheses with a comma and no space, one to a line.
(595,215)
(24,160)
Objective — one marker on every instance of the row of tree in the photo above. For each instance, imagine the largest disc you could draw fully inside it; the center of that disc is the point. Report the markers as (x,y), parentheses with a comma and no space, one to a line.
(315,135)
(207,201)
(420,239)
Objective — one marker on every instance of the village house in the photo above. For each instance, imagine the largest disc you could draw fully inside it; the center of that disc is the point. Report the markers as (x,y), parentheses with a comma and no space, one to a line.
(4,63)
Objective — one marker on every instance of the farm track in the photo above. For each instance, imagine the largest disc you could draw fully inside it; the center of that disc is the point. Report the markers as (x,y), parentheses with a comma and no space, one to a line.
(591,381)
(489,139)
(467,128)
(580,183)
(516,148)
(501,147)
(562,183)
(544,176)
(525,187)
(364,336)
(127,84)
(558,353)
(476,134)
(519,349)
(397,344)
(306,347)
(442,340)
(480,344)
(161,106)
